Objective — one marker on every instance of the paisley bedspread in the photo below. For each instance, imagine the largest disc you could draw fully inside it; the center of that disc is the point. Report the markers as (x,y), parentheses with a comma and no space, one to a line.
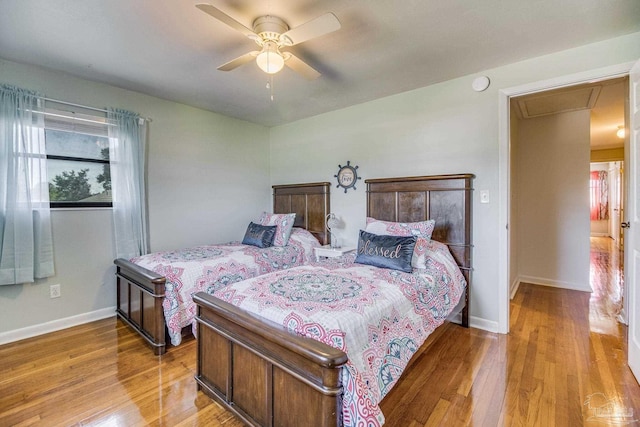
(212,267)
(379,317)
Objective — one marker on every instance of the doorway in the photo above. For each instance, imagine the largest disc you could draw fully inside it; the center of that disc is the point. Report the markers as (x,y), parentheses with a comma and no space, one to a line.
(508,264)
(563,143)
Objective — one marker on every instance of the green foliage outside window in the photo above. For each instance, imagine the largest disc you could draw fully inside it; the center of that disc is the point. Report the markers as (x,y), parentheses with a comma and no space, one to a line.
(78,166)
(70,186)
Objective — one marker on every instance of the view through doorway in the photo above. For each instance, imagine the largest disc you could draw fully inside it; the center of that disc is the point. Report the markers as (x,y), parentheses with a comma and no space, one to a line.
(555,135)
(606,280)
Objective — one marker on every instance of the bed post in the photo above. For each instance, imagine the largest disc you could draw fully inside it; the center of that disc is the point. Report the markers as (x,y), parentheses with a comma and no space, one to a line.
(140,293)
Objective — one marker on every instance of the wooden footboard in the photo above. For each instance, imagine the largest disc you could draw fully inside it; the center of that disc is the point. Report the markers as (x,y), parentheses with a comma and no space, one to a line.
(139,302)
(263,373)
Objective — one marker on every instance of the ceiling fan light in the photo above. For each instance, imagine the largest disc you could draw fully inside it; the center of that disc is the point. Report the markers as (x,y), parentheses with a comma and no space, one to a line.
(269,60)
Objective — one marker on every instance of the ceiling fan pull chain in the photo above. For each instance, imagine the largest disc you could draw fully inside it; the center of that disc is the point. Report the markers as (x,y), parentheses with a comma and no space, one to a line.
(270,86)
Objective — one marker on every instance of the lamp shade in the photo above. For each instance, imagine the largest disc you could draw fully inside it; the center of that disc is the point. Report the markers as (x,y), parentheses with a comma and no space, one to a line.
(332,222)
(269,60)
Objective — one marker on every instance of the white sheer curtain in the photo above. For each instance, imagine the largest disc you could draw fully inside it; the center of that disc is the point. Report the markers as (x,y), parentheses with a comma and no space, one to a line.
(26,245)
(127,140)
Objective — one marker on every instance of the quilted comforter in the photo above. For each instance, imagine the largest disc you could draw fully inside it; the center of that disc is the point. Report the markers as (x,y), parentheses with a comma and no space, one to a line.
(378,317)
(212,267)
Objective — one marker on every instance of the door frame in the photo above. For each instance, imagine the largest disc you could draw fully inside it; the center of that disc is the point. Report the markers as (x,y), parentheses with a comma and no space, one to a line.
(504,167)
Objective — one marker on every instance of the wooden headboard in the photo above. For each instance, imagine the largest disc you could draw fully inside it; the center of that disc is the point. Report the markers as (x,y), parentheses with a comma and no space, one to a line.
(443,198)
(310,202)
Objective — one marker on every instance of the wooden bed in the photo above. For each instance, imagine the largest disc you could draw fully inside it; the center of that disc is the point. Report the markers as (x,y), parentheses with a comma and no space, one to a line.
(140,291)
(268,376)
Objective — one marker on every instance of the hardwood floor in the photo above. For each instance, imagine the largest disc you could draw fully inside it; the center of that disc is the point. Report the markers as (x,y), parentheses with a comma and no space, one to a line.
(101,374)
(563,364)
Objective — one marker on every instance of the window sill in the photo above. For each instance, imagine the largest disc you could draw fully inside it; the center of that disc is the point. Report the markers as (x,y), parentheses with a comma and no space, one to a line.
(97,208)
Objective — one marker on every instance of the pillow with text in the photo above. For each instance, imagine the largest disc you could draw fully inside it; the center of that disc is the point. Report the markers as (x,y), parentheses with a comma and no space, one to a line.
(422,230)
(394,252)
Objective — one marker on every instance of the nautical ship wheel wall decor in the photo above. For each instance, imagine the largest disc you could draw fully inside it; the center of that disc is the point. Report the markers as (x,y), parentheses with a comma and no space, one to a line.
(347,176)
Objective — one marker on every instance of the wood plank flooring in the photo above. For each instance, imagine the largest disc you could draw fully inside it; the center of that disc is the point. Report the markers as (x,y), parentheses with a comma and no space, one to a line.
(563,364)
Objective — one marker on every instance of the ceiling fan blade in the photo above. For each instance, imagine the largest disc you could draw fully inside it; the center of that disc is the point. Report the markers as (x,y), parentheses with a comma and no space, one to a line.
(300,67)
(317,27)
(241,60)
(223,17)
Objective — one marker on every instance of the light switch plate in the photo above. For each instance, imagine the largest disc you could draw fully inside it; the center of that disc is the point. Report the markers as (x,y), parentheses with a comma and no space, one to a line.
(484,196)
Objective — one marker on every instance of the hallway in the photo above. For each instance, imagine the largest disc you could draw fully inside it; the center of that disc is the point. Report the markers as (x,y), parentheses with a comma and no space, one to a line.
(606,280)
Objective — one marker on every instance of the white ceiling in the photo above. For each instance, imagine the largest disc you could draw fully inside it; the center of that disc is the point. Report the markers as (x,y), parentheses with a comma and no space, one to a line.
(170,49)
(605,100)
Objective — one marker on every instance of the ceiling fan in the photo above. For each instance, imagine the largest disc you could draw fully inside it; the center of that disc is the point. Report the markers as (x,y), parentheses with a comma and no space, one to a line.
(272,34)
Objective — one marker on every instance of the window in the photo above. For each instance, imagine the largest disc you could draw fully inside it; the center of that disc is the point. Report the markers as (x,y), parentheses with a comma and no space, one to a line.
(599,192)
(78,167)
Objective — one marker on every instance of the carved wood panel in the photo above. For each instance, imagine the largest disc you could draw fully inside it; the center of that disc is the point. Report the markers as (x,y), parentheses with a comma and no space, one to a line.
(310,202)
(444,198)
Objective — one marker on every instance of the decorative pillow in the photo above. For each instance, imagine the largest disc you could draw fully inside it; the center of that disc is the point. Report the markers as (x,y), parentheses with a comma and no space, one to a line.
(394,252)
(422,230)
(303,237)
(259,235)
(284,224)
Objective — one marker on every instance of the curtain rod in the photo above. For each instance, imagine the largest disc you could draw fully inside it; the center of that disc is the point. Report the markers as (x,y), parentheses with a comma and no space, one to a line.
(71,104)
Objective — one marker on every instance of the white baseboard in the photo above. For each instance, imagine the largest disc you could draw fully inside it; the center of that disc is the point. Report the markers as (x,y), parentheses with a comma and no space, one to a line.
(634,357)
(622,317)
(56,325)
(484,324)
(554,283)
(514,287)
(475,322)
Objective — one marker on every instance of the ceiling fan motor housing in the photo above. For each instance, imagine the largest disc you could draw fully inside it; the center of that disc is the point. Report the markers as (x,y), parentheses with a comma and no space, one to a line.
(271,34)
(269,27)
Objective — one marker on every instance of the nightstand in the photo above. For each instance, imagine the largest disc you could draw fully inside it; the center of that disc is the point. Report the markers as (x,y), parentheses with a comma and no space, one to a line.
(329,252)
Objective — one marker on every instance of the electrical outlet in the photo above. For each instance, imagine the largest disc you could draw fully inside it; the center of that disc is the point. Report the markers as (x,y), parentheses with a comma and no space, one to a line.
(54,291)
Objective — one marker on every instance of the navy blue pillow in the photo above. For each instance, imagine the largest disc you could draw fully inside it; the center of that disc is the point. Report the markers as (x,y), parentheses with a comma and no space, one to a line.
(392,252)
(259,235)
